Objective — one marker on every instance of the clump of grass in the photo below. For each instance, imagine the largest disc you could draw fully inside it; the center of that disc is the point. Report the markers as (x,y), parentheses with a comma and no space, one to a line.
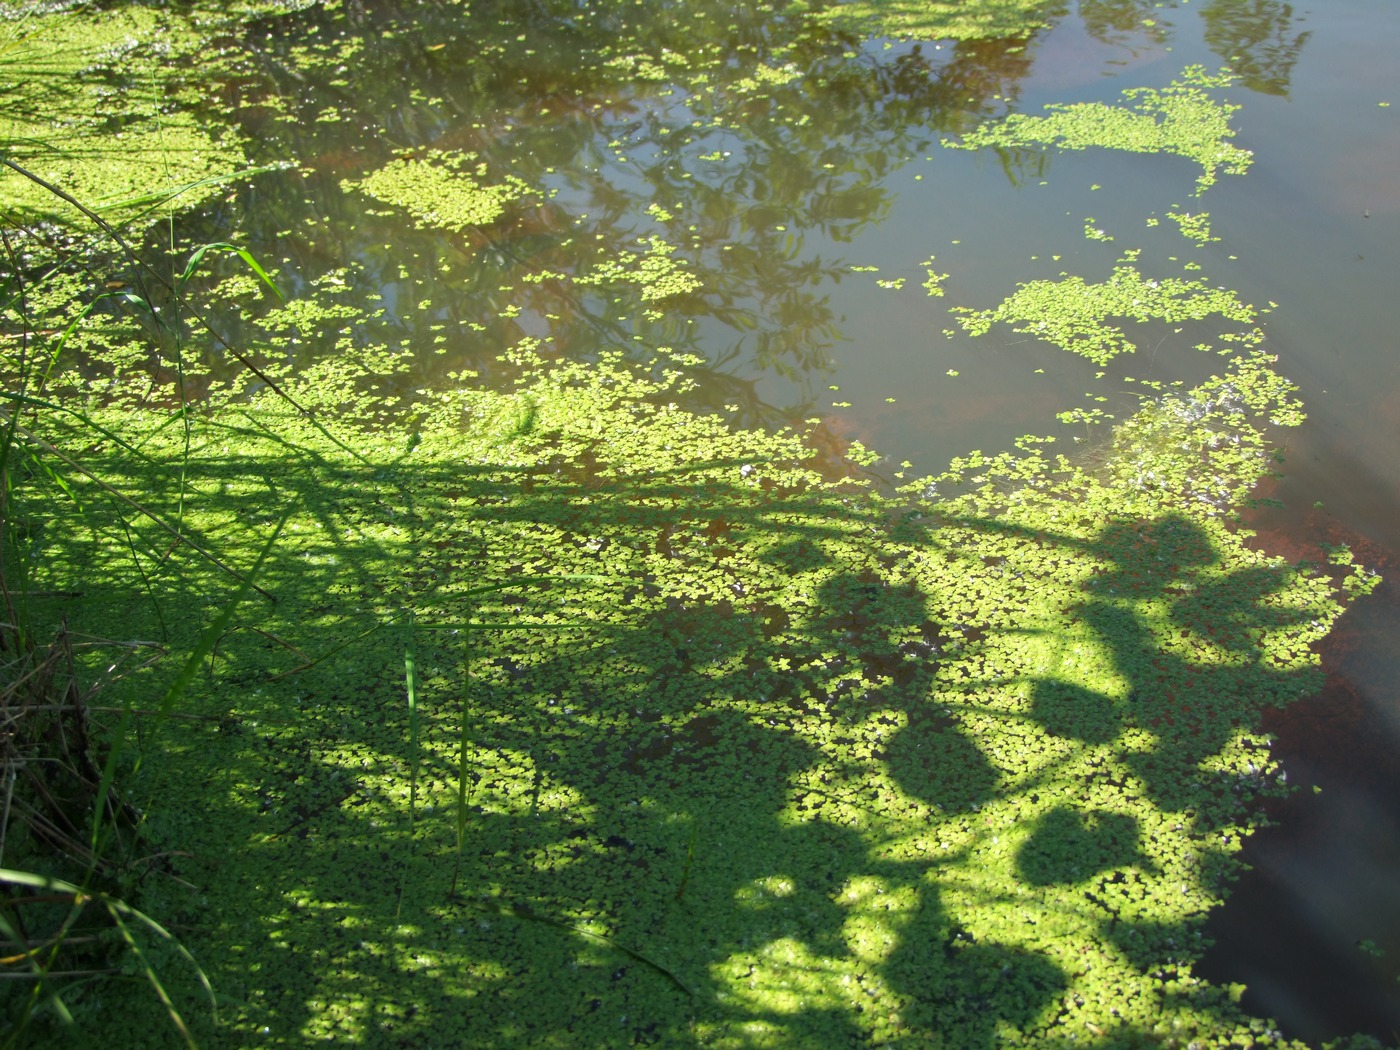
(73,853)
(62,814)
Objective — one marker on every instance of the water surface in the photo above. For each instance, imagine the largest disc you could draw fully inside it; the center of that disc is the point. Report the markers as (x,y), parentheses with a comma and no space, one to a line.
(782,164)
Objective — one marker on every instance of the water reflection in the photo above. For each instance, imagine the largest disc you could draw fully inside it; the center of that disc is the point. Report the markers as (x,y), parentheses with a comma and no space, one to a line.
(757,146)
(1257,40)
(1116,21)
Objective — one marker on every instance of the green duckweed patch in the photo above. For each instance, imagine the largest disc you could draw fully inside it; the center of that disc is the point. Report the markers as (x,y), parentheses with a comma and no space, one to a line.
(654,272)
(939,20)
(88,107)
(578,715)
(1074,315)
(1181,119)
(442,190)
(796,763)
(1195,226)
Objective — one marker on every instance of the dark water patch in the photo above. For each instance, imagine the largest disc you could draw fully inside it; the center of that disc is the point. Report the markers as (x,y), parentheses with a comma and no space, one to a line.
(1313,927)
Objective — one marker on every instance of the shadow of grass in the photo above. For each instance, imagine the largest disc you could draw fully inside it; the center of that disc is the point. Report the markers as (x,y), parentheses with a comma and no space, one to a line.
(794,767)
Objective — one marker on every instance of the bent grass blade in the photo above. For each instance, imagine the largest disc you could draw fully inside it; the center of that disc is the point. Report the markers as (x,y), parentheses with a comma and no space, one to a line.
(119,909)
(221,246)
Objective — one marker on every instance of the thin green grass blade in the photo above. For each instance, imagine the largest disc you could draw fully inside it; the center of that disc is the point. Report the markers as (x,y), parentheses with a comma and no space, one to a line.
(130,298)
(221,246)
(410,675)
(157,928)
(41,988)
(145,511)
(58,479)
(526,914)
(463,760)
(152,978)
(165,196)
(50,406)
(310,663)
(430,626)
(117,908)
(139,262)
(211,635)
(262,431)
(207,640)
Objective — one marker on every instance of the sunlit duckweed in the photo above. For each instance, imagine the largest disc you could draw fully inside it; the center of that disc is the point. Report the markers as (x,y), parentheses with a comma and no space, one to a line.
(73,77)
(774,760)
(939,19)
(443,190)
(803,765)
(1181,119)
(1074,314)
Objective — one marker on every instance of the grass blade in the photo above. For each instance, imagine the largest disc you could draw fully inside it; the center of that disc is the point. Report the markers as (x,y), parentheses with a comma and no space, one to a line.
(207,640)
(527,914)
(117,909)
(411,684)
(242,253)
(152,978)
(146,512)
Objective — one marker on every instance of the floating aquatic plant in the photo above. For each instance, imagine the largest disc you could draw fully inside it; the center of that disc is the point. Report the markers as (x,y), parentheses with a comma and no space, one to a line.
(441,189)
(72,76)
(1195,226)
(1075,315)
(826,765)
(968,764)
(1180,119)
(939,19)
(654,272)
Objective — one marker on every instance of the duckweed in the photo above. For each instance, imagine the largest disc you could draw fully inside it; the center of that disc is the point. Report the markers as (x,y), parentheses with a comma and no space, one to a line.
(1195,226)
(713,741)
(76,78)
(442,190)
(1180,119)
(846,766)
(1074,314)
(939,19)
(654,272)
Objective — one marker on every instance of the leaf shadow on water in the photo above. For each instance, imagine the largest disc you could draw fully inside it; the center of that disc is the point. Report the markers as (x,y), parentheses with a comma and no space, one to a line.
(710,786)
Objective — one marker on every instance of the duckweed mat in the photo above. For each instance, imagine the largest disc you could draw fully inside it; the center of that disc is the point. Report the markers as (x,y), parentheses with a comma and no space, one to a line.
(577,711)
(705,746)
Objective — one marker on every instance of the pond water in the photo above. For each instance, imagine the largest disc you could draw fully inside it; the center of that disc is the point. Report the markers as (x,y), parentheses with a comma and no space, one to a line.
(801,177)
